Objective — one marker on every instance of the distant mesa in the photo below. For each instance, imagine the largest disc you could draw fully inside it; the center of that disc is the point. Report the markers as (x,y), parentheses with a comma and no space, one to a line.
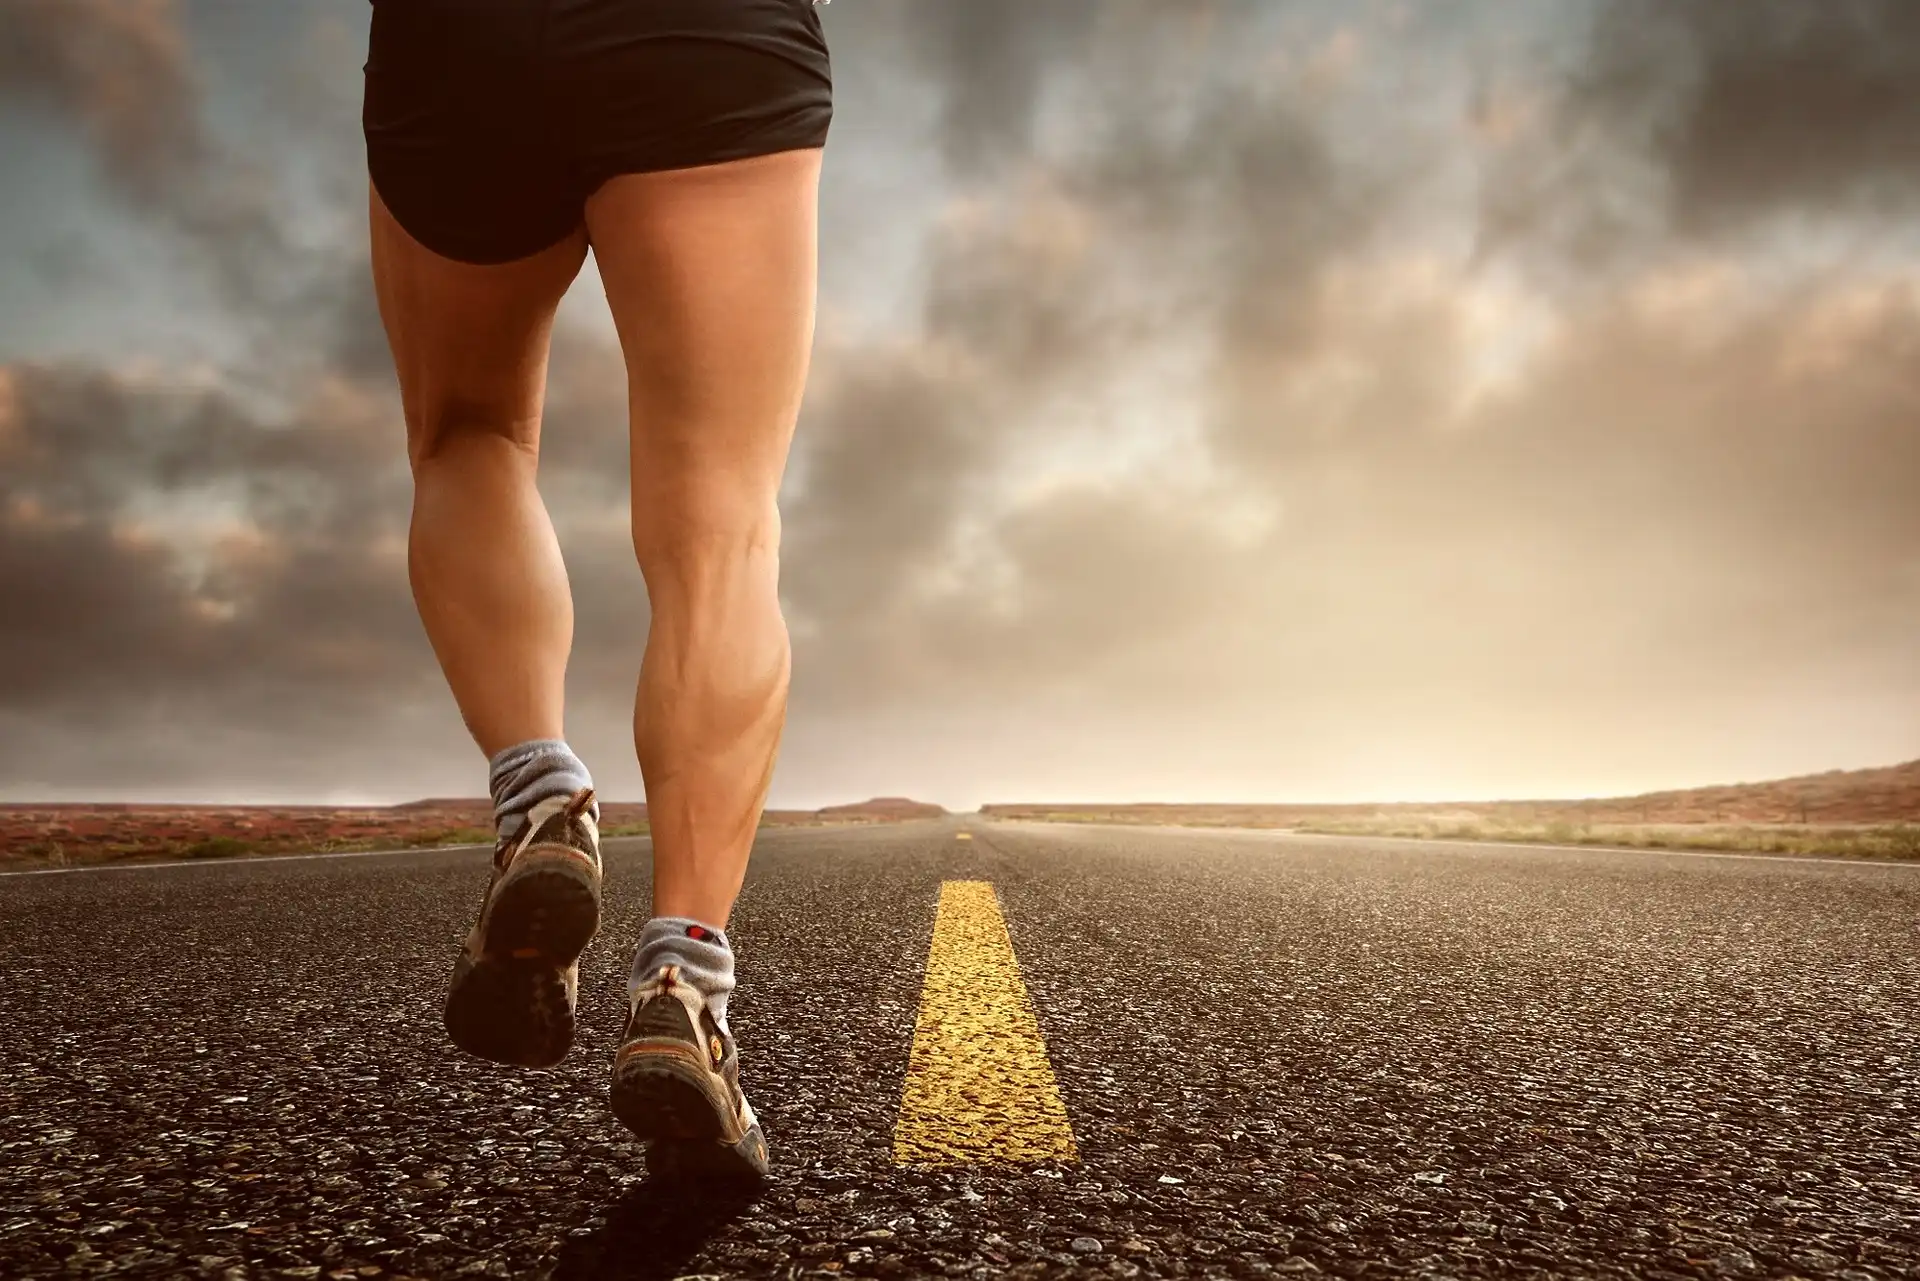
(883,807)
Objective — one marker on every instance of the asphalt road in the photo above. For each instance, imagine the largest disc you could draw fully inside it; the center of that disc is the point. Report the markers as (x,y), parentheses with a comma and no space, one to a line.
(1278,1056)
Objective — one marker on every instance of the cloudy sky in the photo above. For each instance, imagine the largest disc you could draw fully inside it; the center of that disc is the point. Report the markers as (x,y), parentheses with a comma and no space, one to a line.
(1211,401)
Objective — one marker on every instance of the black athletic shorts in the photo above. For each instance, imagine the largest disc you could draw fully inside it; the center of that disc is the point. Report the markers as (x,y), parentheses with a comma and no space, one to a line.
(490,122)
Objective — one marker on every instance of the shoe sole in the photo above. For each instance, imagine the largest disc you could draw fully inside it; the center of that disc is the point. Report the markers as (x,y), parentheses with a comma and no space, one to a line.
(511,1004)
(662,1096)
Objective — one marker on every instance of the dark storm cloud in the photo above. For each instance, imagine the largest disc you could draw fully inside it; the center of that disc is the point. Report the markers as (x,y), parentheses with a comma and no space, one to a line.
(1708,118)
(1286,212)
(294,594)
(990,60)
(298,595)
(121,70)
(901,440)
(881,490)
(85,440)
(1813,109)
(123,73)
(277,645)
(1016,313)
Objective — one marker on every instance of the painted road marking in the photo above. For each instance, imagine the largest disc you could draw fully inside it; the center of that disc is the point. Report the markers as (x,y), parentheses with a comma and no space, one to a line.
(980,1089)
(963,836)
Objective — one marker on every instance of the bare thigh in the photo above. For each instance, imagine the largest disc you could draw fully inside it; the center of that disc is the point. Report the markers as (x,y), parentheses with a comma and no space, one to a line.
(469,342)
(710,273)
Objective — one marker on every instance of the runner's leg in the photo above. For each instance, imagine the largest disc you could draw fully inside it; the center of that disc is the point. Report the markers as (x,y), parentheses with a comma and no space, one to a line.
(710,272)
(470,345)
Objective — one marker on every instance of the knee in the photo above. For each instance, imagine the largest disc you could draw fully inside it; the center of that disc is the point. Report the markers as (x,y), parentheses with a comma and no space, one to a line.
(442,426)
(697,535)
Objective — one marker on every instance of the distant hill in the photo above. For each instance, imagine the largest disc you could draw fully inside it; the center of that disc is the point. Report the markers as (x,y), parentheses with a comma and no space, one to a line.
(882,809)
(1890,794)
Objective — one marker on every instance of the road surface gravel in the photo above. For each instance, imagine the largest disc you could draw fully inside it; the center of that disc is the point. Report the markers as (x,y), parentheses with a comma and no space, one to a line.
(1280,1056)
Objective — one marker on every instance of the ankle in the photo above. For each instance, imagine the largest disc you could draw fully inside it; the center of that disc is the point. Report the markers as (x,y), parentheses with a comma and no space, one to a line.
(700,951)
(522,776)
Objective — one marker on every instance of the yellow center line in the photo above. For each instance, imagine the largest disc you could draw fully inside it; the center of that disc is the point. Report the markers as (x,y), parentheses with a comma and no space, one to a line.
(980,1088)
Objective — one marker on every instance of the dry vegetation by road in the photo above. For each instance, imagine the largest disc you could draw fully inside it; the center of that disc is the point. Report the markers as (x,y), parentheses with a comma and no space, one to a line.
(1891,840)
(33,836)
(1849,813)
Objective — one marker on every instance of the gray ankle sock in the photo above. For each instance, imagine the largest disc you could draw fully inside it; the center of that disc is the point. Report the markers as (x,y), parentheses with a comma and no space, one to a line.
(525,774)
(702,952)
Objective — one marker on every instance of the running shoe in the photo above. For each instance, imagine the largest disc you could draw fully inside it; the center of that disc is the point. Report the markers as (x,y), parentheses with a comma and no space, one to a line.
(676,1083)
(514,986)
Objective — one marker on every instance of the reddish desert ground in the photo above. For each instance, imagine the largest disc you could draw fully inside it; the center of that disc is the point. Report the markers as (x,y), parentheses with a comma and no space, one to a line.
(67,835)
(1868,812)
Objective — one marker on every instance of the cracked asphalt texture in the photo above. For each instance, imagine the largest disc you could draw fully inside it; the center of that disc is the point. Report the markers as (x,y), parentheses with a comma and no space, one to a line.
(1280,1056)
